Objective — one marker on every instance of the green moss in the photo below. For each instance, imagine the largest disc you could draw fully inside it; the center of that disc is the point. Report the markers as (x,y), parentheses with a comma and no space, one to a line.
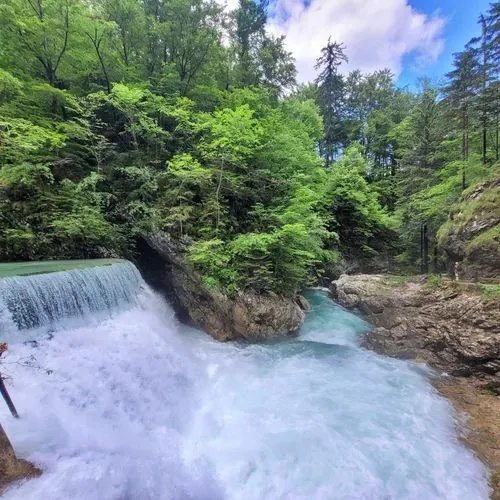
(444,232)
(491,237)
(398,280)
(490,291)
(50,266)
(485,207)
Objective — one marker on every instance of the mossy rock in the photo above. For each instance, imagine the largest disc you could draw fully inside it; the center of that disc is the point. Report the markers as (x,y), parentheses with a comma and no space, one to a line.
(472,234)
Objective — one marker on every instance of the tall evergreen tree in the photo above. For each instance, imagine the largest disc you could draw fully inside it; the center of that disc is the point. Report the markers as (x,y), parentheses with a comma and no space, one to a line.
(331,98)
(461,89)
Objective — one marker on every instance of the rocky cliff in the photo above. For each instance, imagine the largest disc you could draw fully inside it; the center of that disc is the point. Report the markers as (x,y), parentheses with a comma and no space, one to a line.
(454,327)
(472,235)
(247,316)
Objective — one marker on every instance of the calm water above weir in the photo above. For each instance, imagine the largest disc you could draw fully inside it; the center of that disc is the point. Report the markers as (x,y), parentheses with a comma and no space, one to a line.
(138,407)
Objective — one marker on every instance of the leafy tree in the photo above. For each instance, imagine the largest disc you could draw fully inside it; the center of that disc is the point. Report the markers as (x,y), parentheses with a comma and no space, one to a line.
(419,138)
(277,65)
(129,38)
(125,117)
(250,18)
(185,181)
(190,32)
(44,32)
(231,137)
(362,226)
(462,87)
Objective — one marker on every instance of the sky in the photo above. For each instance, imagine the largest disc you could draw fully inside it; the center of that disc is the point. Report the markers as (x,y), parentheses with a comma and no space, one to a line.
(412,38)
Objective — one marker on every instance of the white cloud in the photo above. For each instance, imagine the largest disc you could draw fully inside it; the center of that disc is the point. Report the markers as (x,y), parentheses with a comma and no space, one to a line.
(230,4)
(377,33)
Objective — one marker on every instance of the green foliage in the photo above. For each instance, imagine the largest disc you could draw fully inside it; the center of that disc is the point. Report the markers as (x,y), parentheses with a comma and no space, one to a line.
(40,219)
(490,238)
(23,180)
(185,180)
(358,217)
(490,292)
(210,257)
(10,86)
(120,117)
(21,139)
(434,281)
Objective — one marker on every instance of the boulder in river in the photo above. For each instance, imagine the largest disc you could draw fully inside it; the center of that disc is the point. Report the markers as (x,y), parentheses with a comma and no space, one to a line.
(248,315)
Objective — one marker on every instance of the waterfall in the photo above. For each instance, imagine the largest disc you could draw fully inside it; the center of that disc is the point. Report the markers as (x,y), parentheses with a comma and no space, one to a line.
(123,402)
(39,303)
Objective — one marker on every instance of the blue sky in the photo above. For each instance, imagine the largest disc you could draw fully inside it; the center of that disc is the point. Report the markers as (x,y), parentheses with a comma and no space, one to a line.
(412,38)
(461,25)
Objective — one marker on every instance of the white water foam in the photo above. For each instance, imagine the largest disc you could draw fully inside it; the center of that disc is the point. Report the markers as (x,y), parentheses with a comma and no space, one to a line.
(137,407)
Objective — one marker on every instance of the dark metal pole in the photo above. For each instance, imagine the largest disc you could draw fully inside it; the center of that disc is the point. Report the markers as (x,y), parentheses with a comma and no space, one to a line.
(7,399)
(422,249)
(425,249)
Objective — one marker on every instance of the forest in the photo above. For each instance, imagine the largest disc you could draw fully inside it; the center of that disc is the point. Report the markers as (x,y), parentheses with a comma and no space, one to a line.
(120,118)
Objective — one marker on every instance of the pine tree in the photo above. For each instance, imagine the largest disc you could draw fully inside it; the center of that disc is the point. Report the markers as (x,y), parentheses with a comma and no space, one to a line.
(462,88)
(331,98)
(491,47)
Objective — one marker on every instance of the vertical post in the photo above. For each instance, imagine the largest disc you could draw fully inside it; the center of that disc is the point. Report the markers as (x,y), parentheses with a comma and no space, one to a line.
(421,249)
(425,242)
(435,257)
(7,398)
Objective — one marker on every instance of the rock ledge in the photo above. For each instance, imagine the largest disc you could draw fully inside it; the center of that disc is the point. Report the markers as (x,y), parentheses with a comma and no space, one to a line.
(451,327)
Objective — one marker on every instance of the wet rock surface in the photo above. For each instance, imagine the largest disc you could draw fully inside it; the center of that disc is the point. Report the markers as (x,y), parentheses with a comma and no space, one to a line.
(480,422)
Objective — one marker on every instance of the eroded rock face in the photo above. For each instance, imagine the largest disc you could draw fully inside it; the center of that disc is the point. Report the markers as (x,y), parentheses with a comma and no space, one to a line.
(472,237)
(247,316)
(13,468)
(452,329)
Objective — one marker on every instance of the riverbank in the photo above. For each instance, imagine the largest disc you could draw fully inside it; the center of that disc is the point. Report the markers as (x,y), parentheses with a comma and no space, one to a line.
(454,328)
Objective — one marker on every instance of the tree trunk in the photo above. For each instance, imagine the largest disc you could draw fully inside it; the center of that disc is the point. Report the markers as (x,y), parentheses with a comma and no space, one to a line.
(217,194)
(484,78)
(465,145)
(496,141)
(484,142)
(421,249)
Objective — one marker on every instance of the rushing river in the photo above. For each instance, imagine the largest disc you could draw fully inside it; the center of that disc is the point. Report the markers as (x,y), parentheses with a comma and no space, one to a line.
(135,406)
